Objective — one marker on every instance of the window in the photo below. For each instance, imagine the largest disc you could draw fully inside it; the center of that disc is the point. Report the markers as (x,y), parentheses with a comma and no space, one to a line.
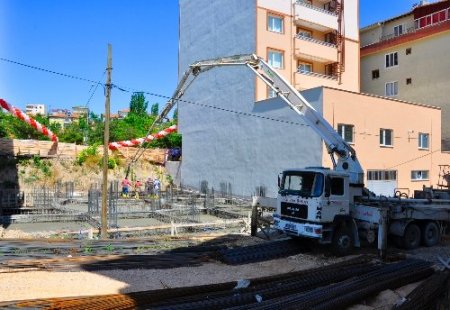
(337,186)
(418,175)
(304,33)
(275,23)
(331,69)
(304,67)
(408,51)
(391,60)
(398,30)
(381,175)
(424,141)
(276,59)
(385,137)
(391,89)
(346,132)
(330,6)
(375,74)
(330,37)
(408,81)
(271,93)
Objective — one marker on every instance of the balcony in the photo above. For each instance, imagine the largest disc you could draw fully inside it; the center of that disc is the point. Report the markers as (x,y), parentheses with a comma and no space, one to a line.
(315,50)
(306,80)
(308,15)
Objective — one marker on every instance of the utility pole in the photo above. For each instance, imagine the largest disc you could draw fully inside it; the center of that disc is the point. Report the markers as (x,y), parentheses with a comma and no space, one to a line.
(104,228)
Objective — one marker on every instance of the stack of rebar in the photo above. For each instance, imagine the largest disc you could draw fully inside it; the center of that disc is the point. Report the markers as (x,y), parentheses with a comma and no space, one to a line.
(331,287)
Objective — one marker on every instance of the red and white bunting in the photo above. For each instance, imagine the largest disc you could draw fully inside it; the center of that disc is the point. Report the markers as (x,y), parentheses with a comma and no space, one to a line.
(139,141)
(29,120)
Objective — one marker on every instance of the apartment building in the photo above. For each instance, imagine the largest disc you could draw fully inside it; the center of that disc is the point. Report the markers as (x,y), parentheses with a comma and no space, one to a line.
(35,109)
(406,57)
(240,141)
(311,42)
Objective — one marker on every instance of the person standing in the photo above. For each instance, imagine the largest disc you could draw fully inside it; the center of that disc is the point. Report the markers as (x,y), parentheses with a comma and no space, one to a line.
(156,186)
(125,187)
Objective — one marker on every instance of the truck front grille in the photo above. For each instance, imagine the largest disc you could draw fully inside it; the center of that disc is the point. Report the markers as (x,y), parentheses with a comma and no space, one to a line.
(294,210)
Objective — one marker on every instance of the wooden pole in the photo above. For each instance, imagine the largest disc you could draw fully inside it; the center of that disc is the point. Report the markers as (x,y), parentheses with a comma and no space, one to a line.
(104,219)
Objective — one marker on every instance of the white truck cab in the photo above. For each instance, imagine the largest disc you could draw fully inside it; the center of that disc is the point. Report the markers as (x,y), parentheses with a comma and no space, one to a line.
(311,202)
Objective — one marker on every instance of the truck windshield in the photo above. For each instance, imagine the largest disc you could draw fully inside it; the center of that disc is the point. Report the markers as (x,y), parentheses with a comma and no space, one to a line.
(302,183)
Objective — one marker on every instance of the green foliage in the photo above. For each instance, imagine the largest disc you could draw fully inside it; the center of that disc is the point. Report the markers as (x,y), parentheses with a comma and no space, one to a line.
(155,109)
(90,131)
(138,105)
(90,151)
(41,165)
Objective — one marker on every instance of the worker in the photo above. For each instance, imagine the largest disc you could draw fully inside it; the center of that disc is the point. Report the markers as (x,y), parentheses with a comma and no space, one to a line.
(156,186)
(125,187)
(137,188)
(149,186)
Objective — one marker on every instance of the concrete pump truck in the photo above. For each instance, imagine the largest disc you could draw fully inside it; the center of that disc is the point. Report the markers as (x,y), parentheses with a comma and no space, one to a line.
(331,205)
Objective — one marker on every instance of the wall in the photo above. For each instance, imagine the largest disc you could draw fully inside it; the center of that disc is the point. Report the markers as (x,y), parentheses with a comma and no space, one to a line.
(425,66)
(266,40)
(370,113)
(230,147)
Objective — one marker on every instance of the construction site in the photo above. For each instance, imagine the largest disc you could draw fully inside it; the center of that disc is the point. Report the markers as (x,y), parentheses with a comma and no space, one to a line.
(291,188)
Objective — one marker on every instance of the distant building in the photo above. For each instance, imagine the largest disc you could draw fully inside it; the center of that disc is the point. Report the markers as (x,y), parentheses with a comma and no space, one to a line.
(80,112)
(35,109)
(407,57)
(123,113)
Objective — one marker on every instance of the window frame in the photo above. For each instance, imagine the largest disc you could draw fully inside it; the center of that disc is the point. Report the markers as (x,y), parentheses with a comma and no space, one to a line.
(301,62)
(303,30)
(382,175)
(274,51)
(388,60)
(415,174)
(270,91)
(383,137)
(377,71)
(399,26)
(394,87)
(269,25)
(420,141)
(342,130)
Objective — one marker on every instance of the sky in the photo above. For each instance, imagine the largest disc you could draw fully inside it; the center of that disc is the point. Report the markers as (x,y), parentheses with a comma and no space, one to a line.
(72,37)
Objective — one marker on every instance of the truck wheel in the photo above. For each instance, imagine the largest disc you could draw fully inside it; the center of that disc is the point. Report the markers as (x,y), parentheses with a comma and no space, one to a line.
(342,241)
(430,234)
(411,238)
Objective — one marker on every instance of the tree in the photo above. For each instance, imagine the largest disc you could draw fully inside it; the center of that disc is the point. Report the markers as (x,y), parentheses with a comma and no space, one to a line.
(175,114)
(138,105)
(155,109)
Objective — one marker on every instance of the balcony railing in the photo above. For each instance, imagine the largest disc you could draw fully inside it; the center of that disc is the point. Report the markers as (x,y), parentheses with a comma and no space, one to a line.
(320,75)
(306,4)
(306,38)
(392,35)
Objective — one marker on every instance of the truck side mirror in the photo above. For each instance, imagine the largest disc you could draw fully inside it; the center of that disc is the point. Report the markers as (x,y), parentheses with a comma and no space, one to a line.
(279,182)
(327,186)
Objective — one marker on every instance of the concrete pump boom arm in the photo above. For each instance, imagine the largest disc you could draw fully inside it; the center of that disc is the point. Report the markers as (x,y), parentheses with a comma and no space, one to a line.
(347,160)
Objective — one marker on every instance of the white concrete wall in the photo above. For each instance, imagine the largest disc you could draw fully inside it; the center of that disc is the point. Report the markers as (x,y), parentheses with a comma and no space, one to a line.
(351,18)
(230,147)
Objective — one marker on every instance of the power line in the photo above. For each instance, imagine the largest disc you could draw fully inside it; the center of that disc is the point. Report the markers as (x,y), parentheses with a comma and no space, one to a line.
(48,71)
(131,90)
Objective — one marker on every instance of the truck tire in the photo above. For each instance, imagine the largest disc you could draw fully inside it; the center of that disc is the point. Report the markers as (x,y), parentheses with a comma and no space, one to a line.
(342,244)
(430,234)
(412,237)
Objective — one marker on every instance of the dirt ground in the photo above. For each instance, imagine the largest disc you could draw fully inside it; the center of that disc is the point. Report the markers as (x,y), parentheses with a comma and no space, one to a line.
(45,284)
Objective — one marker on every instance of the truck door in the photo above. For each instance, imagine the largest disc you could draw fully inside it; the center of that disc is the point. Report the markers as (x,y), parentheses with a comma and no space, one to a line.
(336,197)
